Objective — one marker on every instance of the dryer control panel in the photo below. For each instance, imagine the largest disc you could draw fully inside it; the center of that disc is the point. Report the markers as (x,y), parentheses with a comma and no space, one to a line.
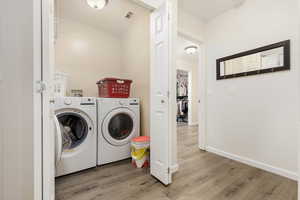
(134,102)
(86,101)
(119,102)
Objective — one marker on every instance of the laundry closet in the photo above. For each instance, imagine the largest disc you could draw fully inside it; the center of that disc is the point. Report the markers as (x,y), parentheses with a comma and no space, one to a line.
(93,44)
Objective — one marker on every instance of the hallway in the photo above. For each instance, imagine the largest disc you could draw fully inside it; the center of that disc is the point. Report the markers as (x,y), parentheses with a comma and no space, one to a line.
(201,176)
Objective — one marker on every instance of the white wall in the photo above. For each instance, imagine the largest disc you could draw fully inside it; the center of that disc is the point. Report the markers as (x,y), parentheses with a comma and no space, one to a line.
(190,26)
(254,117)
(87,54)
(16,104)
(136,63)
(194,95)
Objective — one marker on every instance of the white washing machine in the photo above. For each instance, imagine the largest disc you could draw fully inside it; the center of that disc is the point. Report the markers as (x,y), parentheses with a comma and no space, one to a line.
(76,134)
(118,123)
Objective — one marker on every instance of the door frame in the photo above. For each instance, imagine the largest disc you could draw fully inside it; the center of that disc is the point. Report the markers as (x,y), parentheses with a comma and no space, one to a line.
(46,27)
(298,61)
(37,98)
(48,142)
(173,156)
(298,123)
(202,89)
(41,95)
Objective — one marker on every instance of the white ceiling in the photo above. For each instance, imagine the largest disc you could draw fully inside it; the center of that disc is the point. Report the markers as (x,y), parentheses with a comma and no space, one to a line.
(111,18)
(207,9)
(182,43)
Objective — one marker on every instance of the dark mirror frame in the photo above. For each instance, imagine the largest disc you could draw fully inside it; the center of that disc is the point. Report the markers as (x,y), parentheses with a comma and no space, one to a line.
(286,66)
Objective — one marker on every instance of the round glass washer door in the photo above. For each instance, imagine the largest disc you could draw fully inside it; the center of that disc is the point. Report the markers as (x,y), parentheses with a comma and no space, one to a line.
(118,126)
(75,127)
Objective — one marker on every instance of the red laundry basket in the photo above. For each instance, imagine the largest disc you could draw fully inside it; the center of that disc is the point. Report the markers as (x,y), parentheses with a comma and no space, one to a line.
(114,88)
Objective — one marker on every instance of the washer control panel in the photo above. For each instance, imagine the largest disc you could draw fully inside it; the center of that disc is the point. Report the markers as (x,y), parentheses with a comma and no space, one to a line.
(75,101)
(68,101)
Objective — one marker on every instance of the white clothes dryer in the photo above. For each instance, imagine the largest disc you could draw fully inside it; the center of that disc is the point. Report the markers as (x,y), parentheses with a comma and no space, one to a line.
(118,123)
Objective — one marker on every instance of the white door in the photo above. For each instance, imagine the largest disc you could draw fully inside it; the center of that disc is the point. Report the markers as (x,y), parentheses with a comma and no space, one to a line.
(48,112)
(160,123)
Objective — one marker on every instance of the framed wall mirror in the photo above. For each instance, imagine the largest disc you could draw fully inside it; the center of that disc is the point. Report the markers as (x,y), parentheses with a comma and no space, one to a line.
(267,59)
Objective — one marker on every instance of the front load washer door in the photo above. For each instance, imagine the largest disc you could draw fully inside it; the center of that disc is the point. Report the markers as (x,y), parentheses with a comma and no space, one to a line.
(58,140)
(119,126)
(74,128)
(62,141)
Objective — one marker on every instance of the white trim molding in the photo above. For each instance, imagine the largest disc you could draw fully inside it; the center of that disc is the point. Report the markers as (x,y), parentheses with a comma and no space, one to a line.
(253,163)
(37,101)
(174,168)
(149,4)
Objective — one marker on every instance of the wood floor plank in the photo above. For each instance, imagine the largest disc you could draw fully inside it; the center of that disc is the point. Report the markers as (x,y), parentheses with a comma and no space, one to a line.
(202,176)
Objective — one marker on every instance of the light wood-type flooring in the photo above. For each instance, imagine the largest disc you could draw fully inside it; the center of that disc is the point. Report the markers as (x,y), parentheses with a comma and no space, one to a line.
(201,176)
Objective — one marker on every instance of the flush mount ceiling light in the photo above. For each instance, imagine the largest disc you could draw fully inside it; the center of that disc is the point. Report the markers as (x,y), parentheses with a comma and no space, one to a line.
(97,4)
(191,50)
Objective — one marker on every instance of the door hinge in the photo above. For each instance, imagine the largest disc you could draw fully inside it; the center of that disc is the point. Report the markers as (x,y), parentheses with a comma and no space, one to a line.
(40,86)
(52,101)
(169,16)
(169,170)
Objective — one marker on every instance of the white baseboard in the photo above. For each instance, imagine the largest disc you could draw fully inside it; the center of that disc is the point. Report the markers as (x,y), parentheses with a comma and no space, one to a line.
(193,124)
(174,168)
(204,148)
(253,163)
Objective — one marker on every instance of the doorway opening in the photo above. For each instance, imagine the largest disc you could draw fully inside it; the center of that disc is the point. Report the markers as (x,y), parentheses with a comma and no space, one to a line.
(187,73)
(79,53)
(189,68)
(93,44)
